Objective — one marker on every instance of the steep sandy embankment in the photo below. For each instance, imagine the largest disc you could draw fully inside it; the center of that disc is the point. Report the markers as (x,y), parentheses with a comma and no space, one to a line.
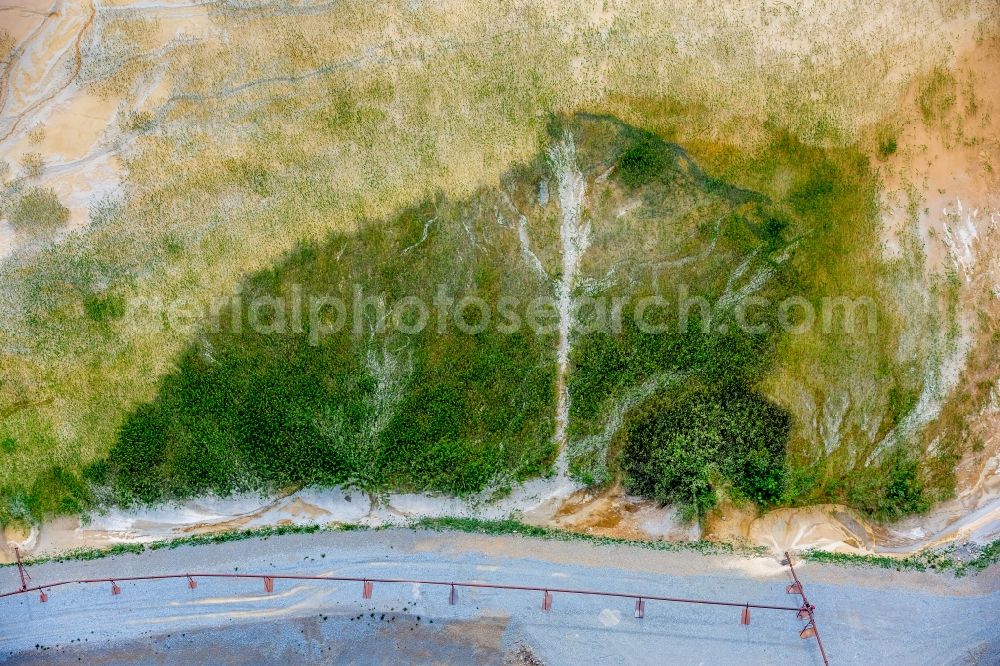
(553,503)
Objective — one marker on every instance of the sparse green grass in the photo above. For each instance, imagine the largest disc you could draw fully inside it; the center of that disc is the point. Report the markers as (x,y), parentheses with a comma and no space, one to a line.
(469,525)
(937,95)
(86,554)
(7,44)
(933,559)
(38,213)
(517,528)
(32,164)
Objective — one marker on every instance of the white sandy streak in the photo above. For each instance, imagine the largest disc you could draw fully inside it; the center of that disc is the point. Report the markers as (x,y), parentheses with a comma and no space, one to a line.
(574,233)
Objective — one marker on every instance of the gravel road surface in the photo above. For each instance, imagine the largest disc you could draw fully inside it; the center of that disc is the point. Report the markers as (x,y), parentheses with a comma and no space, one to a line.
(866,616)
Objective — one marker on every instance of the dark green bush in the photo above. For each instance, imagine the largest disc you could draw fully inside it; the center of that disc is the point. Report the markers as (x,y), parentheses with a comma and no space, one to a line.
(103,308)
(644,161)
(887,146)
(684,445)
(890,490)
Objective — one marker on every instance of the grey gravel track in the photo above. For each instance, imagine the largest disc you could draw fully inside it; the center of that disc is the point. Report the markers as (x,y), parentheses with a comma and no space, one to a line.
(865,616)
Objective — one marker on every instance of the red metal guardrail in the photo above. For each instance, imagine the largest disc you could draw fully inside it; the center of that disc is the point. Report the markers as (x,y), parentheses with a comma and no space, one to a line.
(803,612)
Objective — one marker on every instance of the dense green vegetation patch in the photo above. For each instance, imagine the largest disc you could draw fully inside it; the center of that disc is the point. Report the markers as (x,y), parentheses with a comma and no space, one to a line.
(644,161)
(370,404)
(797,227)
(266,401)
(680,446)
(698,341)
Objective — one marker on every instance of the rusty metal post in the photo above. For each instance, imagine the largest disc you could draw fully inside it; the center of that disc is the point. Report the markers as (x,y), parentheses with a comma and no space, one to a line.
(745,615)
(268,584)
(192,583)
(366,590)
(810,630)
(20,569)
(115,590)
(547,601)
(640,608)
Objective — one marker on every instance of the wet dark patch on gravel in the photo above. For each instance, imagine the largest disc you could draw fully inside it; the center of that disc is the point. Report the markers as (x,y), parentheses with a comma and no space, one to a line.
(389,638)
